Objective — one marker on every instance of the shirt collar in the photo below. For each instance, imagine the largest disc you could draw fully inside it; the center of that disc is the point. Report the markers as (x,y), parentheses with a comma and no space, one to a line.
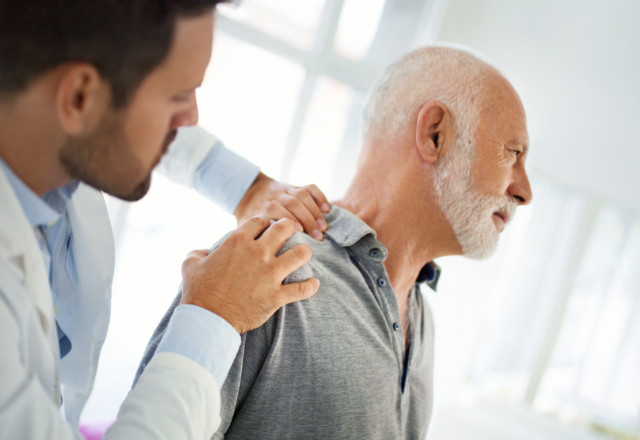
(346,229)
(43,210)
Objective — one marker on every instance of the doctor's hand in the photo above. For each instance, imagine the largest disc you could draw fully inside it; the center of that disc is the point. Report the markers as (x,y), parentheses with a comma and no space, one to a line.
(303,205)
(241,281)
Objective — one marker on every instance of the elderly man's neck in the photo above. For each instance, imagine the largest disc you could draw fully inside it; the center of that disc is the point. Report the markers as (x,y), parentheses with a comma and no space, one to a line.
(407,221)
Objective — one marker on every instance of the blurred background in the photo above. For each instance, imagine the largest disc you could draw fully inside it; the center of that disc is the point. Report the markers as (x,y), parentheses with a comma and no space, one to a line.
(542,341)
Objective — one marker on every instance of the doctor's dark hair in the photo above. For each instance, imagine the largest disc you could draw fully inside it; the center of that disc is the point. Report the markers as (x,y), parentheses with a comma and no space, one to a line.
(124,39)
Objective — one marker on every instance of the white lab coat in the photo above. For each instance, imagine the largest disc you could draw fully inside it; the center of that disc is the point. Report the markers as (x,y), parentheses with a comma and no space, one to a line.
(175,398)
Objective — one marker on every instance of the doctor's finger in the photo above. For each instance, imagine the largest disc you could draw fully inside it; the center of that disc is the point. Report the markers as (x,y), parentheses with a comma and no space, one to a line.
(274,210)
(253,226)
(312,206)
(293,259)
(318,197)
(198,254)
(193,257)
(277,234)
(298,291)
(303,208)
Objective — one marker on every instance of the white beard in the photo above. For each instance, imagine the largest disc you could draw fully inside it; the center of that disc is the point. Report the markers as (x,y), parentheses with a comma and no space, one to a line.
(468,211)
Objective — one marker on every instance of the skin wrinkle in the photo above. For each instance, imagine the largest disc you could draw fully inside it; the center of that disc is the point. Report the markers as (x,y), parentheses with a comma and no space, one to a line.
(356,208)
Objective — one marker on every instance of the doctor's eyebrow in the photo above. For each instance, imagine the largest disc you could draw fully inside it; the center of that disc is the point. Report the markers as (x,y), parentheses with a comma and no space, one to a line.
(190,89)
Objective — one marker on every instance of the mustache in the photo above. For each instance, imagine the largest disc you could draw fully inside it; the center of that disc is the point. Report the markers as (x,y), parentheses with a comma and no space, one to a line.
(509,206)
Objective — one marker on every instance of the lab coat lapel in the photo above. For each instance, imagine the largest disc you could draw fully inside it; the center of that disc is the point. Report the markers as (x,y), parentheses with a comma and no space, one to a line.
(93,249)
(20,252)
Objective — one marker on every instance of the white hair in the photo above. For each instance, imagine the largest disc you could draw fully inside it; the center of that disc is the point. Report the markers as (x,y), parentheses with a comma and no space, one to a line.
(450,74)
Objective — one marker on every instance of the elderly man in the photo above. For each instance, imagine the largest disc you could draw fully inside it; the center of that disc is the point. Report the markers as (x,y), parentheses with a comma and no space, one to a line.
(441,173)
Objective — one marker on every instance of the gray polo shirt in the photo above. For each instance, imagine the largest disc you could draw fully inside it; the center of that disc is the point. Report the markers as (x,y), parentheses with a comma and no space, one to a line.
(333,366)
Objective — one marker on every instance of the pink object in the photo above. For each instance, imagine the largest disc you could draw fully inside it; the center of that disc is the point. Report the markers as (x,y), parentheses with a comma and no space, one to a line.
(95,431)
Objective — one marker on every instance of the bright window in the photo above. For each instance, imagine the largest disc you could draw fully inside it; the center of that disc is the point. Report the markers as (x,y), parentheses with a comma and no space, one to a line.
(597,357)
(295,22)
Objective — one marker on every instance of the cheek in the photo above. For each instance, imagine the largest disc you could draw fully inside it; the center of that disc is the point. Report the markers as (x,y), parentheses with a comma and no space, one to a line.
(490,179)
(146,132)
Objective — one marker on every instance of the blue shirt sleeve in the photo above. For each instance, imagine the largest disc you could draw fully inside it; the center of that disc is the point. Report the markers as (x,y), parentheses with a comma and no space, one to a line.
(224,177)
(203,337)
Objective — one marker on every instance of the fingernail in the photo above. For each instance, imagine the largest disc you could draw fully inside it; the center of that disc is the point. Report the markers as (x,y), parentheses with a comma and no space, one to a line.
(325,207)
(317,234)
(299,227)
(322,223)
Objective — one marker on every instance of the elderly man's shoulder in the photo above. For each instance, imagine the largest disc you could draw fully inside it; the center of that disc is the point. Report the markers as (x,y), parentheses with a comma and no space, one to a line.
(331,257)
(324,252)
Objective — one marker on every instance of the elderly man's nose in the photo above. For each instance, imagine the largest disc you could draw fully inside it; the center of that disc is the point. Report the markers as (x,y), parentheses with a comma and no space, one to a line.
(520,189)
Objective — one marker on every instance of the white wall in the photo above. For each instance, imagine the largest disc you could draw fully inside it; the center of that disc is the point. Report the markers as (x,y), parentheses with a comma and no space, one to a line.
(576,64)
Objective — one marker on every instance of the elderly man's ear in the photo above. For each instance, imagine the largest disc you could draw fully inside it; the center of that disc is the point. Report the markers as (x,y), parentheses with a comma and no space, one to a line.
(434,131)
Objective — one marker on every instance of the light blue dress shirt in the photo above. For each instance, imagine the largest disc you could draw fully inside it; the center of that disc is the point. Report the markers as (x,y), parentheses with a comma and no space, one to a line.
(194,332)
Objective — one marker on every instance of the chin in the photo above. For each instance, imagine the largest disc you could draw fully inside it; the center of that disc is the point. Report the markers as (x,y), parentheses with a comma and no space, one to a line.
(140,191)
(132,195)
(480,246)
(480,254)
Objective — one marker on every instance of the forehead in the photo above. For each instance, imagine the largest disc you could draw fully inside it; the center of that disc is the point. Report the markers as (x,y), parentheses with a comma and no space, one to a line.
(188,56)
(503,116)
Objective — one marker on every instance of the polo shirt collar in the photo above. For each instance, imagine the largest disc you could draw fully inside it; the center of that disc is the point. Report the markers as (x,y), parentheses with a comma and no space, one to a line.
(346,229)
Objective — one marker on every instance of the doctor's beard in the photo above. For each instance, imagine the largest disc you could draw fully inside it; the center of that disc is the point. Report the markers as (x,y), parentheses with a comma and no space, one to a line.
(106,161)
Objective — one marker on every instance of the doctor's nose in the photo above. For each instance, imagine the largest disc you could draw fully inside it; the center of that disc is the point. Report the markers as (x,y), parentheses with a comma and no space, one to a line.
(188,115)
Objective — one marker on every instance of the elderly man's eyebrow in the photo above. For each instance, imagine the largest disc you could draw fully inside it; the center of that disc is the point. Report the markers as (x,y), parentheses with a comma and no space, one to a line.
(520,143)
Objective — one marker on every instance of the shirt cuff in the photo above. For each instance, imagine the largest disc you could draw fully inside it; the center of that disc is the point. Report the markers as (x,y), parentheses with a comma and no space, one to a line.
(224,177)
(203,337)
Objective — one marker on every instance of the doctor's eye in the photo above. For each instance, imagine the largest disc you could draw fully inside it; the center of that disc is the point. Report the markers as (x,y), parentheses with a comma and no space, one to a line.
(181,98)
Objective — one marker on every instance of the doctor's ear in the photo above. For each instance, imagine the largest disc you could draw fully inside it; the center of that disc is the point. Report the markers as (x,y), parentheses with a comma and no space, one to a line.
(433,131)
(81,99)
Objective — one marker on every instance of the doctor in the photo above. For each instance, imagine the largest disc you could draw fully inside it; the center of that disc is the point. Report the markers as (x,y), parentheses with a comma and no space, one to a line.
(91,96)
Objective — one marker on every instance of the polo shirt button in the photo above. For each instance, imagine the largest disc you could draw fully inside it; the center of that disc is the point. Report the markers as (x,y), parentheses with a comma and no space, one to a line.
(382,282)
(396,326)
(374,252)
